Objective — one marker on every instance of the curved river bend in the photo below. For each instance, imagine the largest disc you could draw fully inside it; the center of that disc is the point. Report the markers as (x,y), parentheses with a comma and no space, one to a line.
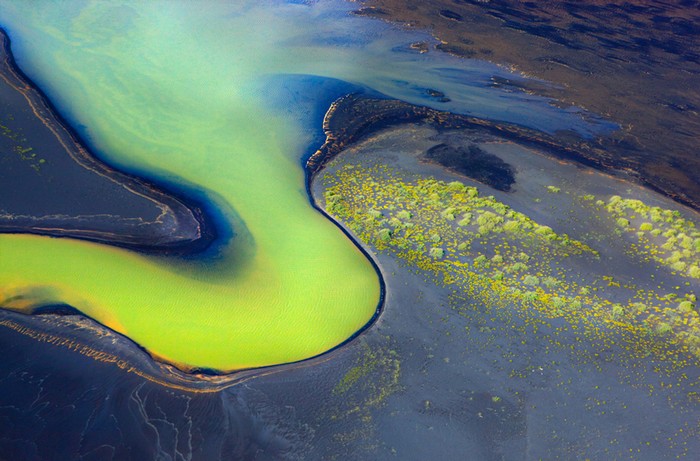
(193,95)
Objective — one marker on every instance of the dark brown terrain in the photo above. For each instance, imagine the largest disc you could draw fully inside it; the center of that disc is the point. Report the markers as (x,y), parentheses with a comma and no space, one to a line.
(636,62)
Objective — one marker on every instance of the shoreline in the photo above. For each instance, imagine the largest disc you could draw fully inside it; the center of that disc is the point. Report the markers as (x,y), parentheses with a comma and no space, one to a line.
(176,374)
(383,113)
(220,379)
(636,82)
(397,112)
(163,194)
(210,235)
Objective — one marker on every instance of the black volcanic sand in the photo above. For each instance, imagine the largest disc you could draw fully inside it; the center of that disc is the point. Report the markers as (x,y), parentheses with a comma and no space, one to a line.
(426,382)
(51,184)
(58,403)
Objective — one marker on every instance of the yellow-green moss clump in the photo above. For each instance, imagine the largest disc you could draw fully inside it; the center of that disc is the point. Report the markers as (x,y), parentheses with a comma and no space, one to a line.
(489,252)
(667,237)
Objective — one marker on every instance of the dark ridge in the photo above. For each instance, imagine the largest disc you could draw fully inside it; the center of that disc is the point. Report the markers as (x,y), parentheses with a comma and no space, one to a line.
(581,6)
(354,117)
(683,27)
(505,11)
(474,163)
(589,28)
(545,31)
(614,43)
(186,202)
(448,14)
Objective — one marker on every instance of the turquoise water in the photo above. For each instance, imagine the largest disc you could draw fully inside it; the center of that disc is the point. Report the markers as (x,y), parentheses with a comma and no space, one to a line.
(191,93)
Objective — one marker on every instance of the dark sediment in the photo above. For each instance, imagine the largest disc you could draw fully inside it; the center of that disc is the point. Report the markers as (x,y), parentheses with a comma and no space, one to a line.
(66,400)
(54,185)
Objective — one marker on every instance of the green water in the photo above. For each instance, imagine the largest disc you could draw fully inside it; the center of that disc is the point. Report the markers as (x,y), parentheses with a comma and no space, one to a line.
(155,98)
(178,89)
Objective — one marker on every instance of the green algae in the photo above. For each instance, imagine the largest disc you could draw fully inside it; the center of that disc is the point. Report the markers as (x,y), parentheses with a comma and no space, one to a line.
(377,372)
(366,386)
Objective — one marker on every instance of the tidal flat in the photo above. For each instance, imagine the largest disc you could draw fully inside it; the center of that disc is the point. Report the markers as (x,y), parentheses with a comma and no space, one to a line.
(555,318)
(485,369)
